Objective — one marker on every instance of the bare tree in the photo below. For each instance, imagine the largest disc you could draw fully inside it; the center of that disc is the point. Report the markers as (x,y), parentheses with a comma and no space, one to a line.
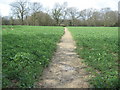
(64,11)
(95,20)
(73,14)
(35,7)
(20,9)
(11,21)
(57,13)
(109,17)
(5,20)
(86,14)
(33,14)
(42,19)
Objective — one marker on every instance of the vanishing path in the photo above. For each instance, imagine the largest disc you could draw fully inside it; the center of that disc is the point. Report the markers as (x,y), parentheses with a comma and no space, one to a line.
(65,70)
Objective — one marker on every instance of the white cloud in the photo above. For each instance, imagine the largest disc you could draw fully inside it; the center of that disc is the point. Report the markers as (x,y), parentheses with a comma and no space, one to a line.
(80,4)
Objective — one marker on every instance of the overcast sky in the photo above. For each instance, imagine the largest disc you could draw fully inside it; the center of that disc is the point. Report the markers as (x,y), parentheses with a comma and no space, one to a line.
(80,4)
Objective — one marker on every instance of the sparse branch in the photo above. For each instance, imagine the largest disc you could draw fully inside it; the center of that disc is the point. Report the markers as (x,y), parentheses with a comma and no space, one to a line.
(20,9)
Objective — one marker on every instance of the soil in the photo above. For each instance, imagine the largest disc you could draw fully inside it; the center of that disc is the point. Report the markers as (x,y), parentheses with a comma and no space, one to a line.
(66,69)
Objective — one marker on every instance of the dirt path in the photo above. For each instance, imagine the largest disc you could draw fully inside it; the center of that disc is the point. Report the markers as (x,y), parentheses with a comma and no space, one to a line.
(66,69)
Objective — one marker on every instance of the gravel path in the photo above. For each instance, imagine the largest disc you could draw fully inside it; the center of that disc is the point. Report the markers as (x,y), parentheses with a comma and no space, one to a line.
(65,70)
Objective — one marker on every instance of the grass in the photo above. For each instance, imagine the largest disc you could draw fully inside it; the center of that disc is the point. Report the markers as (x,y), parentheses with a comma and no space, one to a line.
(98,46)
(26,50)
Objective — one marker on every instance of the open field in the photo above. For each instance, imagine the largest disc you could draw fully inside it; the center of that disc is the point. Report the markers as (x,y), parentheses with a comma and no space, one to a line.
(98,46)
(57,45)
(26,51)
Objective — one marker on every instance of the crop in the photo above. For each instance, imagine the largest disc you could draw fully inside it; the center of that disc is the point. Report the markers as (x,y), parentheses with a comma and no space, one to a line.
(98,47)
(26,51)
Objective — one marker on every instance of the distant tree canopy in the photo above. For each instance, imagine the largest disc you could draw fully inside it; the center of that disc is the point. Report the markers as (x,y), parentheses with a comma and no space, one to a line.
(26,13)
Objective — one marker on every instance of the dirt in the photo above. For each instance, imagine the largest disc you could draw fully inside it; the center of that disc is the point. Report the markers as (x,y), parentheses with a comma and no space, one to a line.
(66,70)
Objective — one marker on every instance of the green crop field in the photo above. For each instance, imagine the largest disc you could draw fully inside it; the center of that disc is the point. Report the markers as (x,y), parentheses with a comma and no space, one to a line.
(26,51)
(98,47)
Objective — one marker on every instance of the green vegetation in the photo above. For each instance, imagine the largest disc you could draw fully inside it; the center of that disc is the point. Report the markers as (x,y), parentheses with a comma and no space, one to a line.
(98,46)
(26,51)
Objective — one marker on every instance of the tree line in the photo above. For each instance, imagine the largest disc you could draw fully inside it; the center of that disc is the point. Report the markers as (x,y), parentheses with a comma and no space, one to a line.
(33,13)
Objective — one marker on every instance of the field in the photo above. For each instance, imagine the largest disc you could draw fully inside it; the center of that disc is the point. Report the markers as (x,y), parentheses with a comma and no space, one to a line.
(98,47)
(26,51)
